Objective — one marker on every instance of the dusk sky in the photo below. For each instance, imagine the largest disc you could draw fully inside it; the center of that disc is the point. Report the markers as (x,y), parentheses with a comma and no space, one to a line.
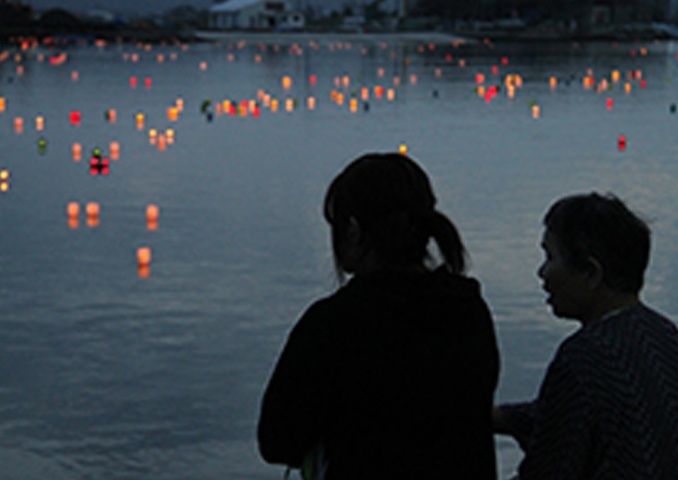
(152,6)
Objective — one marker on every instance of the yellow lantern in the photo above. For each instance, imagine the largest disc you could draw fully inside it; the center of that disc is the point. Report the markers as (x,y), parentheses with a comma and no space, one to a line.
(311,103)
(39,123)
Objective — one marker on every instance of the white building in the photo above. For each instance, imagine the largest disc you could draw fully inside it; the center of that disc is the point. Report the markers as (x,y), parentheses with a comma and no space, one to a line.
(255,15)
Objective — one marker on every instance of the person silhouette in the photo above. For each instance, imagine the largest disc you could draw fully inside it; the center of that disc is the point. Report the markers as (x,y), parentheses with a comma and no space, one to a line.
(608,405)
(393,375)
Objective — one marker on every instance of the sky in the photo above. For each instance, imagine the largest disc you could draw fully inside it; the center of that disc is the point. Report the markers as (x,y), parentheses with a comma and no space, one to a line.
(144,7)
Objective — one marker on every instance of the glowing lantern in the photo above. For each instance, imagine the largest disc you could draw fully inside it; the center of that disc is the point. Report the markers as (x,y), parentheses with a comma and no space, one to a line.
(152,136)
(162,142)
(92,209)
(379,91)
(354,105)
(402,149)
(75,117)
(133,82)
(160,58)
(286,83)
(3,104)
(111,115)
(621,143)
(19,125)
(115,150)
(480,78)
(169,134)
(4,181)
(609,103)
(481,91)
(380,72)
(75,75)
(77,152)
(553,82)
(340,99)
(536,111)
(152,215)
(313,79)
(140,121)
(39,123)
(311,102)
(73,209)
(20,70)
(203,66)
(148,82)
(495,70)
(413,79)
(226,104)
(643,83)
(144,256)
(390,94)
(173,114)
(616,76)
(180,104)
(627,87)
(504,60)
(462,62)
(289,105)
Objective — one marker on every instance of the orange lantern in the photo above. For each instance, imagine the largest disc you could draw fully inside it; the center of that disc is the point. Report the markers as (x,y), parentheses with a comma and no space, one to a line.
(144,256)
(115,150)
(77,152)
(19,125)
(3,104)
(311,103)
(152,216)
(39,123)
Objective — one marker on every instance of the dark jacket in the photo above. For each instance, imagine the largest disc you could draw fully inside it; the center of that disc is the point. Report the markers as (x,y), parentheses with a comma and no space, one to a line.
(394,375)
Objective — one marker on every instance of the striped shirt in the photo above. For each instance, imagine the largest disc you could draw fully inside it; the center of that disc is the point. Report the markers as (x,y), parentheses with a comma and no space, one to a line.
(608,406)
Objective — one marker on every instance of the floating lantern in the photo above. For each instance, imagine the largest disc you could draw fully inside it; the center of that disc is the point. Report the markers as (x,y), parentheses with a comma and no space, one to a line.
(510,91)
(289,105)
(402,149)
(378,91)
(609,103)
(73,209)
(616,76)
(380,72)
(643,83)
(92,209)
(536,111)
(115,150)
(311,102)
(152,136)
(286,83)
(627,87)
(3,104)
(42,145)
(553,82)
(481,91)
(390,94)
(75,76)
(274,105)
(77,152)
(180,104)
(148,82)
(133,82)
(173,114)
(413,79)
(98,165)
(340,98)
(39,123)
(462,62)
(152,215)
(111,115)
(346,81)
(504,60)
(203,66)
(480,78)
(354,105)
(4,181)
(169,135)
(140,121)
(313,79)
(144,256)
(162,142)
(160,58)
(75,117)
(621,143)
(19,125)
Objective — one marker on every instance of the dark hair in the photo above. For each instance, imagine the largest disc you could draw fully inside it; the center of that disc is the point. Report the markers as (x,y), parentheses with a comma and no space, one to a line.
(602,227)
(391,198)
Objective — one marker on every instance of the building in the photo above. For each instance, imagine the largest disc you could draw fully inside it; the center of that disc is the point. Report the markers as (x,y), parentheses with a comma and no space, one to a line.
(255,15)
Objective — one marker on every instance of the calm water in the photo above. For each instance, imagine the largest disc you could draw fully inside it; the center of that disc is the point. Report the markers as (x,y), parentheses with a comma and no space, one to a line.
(108,374)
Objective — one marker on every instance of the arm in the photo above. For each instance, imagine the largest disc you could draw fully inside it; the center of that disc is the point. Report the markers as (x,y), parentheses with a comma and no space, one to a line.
(289,419)
(561,443)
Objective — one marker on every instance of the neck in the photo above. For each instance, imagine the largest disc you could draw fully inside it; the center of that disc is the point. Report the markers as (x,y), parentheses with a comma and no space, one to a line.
(609,303)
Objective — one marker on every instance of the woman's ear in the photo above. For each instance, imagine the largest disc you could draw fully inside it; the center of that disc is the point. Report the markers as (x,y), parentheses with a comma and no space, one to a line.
(354,233)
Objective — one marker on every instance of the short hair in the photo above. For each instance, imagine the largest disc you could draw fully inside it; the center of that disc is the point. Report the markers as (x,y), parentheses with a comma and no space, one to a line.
(391,197)
(602,227)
